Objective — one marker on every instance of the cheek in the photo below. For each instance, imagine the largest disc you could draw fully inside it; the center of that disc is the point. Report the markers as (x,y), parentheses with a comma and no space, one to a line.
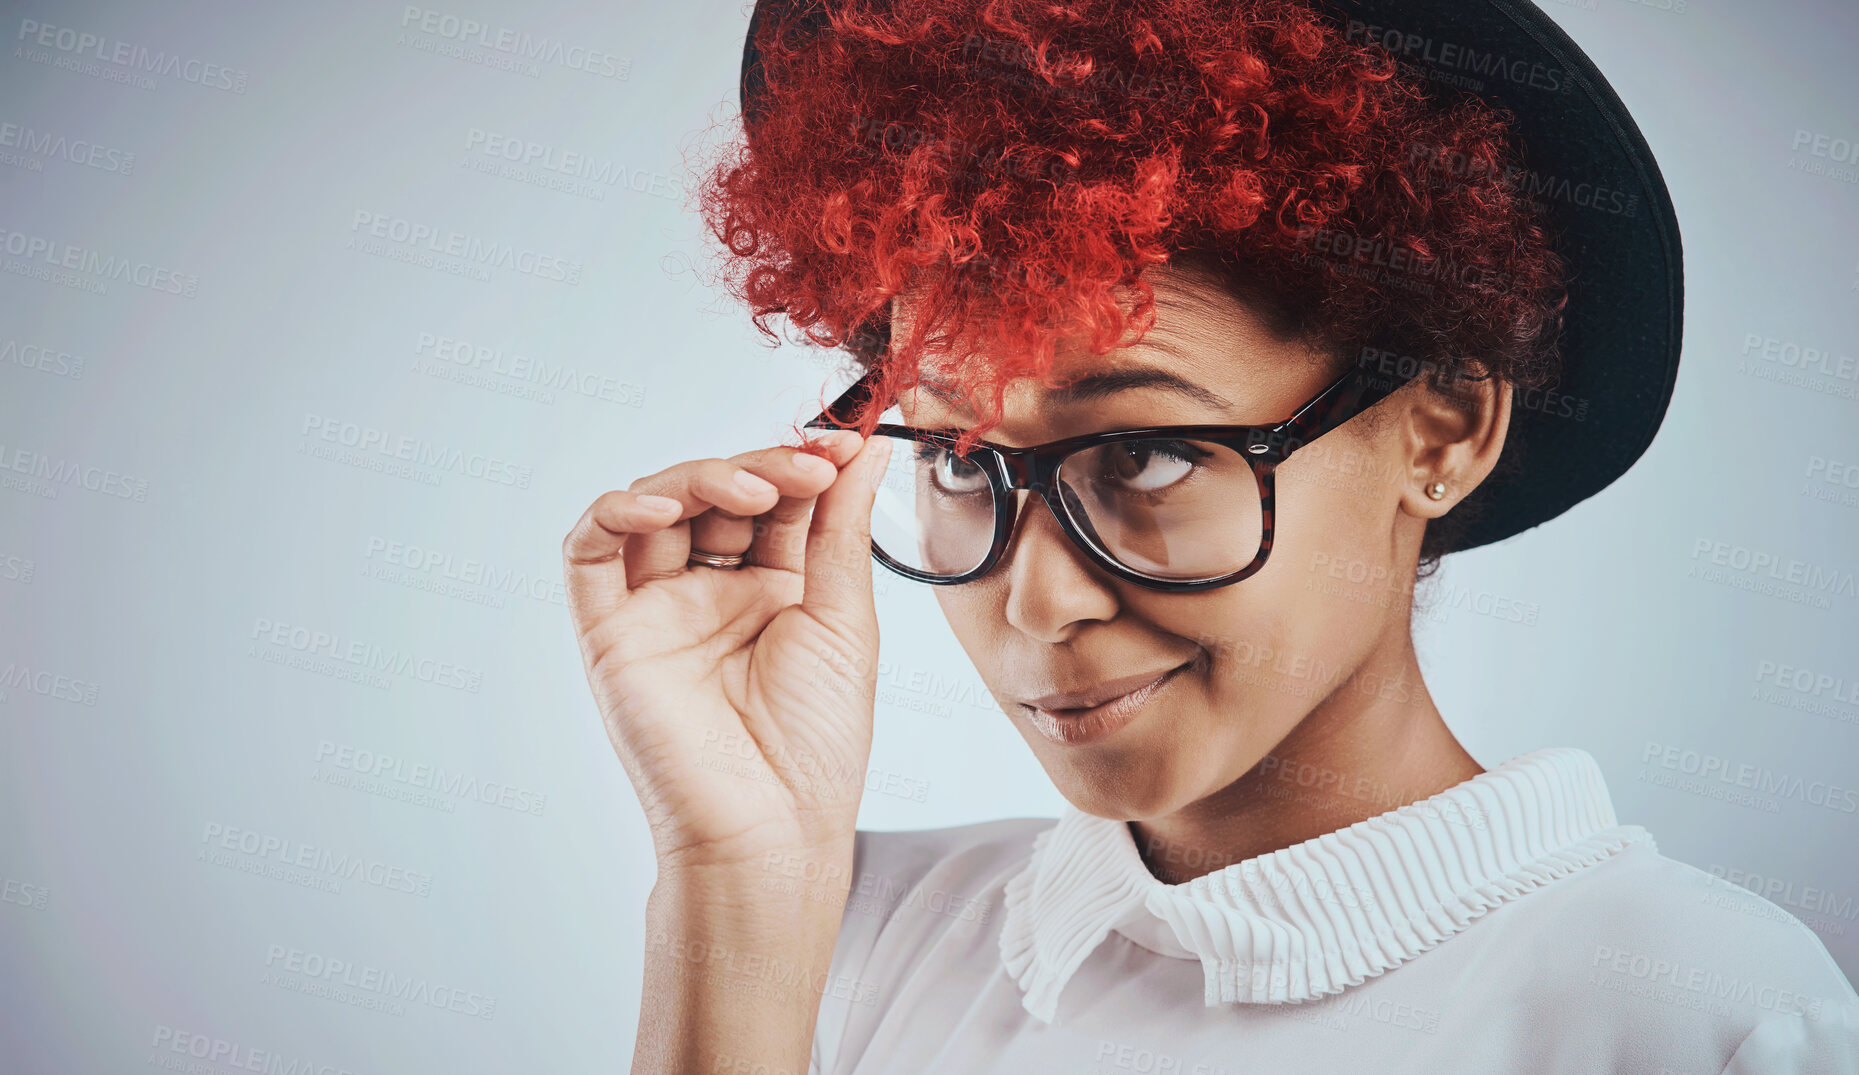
(1337,584)
(1250,631)
(1335,515)
(1283,639)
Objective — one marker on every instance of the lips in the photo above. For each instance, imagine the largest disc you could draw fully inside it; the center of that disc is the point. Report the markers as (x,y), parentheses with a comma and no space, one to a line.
(1098,712)
(1058,702)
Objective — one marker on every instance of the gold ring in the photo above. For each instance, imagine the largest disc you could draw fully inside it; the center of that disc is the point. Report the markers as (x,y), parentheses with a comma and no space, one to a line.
(715,559)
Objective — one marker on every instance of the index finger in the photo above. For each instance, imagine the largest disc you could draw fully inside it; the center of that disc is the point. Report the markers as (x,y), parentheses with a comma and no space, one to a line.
(593,571)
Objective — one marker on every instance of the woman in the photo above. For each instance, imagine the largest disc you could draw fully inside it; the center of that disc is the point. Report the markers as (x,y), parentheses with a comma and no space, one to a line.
(1193,333)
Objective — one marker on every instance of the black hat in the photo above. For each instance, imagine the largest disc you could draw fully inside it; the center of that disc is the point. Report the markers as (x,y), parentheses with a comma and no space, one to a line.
(1604,201)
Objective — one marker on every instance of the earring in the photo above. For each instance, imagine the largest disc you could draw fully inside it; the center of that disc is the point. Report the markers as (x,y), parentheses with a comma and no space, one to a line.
(1437,490)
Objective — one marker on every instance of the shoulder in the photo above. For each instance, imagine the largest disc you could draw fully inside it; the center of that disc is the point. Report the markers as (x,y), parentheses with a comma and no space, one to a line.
(913,892)
(911,887)
(977,842)
(964,863)
(1666,953)
(1642,906)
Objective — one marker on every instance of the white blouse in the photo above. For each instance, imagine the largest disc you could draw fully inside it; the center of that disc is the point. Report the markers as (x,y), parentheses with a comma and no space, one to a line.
(1507,924)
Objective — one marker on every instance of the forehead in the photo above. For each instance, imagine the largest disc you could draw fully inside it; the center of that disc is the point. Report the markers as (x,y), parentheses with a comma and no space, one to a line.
(1209,356)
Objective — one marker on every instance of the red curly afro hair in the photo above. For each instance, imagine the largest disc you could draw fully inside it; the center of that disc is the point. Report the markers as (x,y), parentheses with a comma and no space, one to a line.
(1015,166)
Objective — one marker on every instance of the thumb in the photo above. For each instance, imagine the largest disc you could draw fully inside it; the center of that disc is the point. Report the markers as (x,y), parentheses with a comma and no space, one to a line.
(837,590)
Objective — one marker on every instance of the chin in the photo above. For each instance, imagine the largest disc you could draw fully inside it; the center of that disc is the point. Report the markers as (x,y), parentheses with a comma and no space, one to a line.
(1110,792)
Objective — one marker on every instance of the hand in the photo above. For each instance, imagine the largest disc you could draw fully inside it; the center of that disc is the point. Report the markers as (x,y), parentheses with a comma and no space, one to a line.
(739,700)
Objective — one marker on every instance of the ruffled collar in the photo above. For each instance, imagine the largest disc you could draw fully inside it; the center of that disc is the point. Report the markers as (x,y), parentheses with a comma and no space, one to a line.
(1317,917)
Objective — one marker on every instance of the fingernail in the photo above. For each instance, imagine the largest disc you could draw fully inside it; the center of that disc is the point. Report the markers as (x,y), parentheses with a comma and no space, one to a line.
(752,484)
(840,439)
(659,503)
(813,464)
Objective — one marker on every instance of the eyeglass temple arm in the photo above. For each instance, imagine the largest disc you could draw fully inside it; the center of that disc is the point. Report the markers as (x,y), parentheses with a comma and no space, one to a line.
(838,414)
(1346,397)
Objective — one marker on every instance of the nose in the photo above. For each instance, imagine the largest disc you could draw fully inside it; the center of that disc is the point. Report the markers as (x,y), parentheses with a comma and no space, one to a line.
(1053,588)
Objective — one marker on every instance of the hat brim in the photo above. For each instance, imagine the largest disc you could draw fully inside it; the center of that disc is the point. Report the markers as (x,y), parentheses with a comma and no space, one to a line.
(1585,161)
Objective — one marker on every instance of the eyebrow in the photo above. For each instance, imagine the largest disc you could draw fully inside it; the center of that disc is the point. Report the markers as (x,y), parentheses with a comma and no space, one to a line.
(1107,382)
(1098,385)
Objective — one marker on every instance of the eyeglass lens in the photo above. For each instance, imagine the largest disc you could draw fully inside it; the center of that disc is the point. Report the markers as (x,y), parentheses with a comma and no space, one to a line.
(1169,509)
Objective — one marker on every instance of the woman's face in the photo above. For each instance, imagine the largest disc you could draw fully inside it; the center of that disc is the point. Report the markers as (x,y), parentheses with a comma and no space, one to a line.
(1245,663)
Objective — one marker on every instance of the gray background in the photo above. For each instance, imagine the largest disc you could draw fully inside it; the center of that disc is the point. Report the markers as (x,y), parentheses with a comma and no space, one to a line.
(150,707)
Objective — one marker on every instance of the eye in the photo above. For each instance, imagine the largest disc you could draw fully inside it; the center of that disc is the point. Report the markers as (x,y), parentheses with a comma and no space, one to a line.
(1145,466)
(949,473)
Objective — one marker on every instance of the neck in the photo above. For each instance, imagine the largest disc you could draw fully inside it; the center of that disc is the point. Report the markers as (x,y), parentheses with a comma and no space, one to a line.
(1360,753)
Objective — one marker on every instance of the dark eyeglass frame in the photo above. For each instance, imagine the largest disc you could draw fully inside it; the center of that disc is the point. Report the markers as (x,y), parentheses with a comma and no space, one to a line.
(1036,468)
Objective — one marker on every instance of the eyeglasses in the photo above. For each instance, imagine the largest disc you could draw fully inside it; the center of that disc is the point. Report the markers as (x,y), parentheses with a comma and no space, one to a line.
(1174,508)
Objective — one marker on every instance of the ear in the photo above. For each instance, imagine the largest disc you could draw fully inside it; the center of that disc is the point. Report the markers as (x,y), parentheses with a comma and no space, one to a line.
(1454,434)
